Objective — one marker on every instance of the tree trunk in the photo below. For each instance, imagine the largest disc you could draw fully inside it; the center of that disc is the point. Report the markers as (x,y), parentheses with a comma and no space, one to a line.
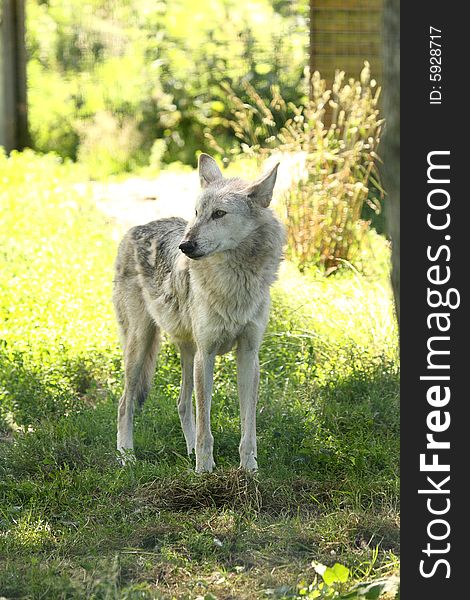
(13,106)
(391,140)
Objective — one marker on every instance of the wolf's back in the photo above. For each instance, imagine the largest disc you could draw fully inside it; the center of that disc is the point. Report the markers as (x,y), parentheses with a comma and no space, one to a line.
(151,249)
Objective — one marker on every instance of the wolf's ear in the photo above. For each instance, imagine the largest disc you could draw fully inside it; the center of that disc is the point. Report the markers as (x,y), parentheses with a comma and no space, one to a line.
(261,191)
(208,170)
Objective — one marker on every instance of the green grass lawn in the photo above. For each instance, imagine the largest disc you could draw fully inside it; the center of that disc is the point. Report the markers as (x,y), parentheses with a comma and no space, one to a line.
(73,524)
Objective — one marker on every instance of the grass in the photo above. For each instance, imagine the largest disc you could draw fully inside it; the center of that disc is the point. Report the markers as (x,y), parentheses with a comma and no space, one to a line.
(73,524)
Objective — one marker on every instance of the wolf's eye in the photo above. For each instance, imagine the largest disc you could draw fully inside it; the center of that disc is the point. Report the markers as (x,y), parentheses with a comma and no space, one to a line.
(196,213)
(218,213)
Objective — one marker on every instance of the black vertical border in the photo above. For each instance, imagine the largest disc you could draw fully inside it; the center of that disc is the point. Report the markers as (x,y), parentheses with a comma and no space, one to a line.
(425,128)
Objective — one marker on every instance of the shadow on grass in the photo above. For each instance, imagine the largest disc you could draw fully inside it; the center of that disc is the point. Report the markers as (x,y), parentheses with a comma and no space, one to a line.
(344,430)
(326,491)
(34,390)
(53,415)
(295,520)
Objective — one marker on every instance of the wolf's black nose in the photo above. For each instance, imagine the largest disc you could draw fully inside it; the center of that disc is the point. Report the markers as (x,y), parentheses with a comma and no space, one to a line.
(187,247)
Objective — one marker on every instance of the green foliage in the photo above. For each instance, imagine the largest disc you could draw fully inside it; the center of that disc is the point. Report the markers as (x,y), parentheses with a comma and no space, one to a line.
(156,67)
(109,145)
(333,585)
(336,164)
(74,524)
(46,348)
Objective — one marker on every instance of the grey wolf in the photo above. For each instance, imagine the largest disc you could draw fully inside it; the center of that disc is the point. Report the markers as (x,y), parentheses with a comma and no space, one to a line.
(206,284)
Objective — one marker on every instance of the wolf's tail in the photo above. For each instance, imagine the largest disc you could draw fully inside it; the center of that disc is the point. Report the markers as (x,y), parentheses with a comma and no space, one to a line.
(148,368)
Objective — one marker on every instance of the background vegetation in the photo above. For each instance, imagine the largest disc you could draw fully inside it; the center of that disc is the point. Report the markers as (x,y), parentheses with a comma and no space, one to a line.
(122,86)
(130,85)
(127,82)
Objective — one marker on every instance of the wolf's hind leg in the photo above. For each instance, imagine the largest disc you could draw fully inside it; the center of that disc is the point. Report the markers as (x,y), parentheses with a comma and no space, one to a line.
(185,399)
(140,352)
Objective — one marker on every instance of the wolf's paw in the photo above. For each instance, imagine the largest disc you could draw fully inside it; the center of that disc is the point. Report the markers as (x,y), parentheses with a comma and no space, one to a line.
(249,463)
(205,465)
(190,447)
(126,456)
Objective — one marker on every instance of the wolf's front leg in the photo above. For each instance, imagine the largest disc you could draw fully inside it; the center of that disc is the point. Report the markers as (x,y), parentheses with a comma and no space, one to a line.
(248,383)
(203,380)
(185,399)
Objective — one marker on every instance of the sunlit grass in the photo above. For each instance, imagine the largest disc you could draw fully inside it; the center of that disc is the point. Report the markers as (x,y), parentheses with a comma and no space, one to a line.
(27,534)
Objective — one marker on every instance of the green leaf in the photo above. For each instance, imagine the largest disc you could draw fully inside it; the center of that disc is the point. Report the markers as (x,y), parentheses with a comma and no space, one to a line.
(329,576)
(342,572)
(335,574)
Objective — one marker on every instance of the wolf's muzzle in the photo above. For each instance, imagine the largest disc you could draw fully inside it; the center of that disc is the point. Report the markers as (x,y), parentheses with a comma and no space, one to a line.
(188,248)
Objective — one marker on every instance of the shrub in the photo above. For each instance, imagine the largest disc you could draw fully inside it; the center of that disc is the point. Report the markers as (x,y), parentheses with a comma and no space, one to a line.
(161,64)
(108,145)
(52,111)
(334,136)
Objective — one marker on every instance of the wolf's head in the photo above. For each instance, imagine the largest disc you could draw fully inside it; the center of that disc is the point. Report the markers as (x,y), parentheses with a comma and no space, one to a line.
(227,210)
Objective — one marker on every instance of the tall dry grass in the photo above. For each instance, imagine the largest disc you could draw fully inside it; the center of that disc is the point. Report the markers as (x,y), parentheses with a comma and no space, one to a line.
(336,133)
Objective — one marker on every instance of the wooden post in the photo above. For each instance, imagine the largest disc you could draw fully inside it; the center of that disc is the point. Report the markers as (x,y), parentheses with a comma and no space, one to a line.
(390,145)
(311,58)
(13,105)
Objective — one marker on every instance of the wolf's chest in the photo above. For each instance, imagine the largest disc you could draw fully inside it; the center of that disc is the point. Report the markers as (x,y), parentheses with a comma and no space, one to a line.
(233,295)
(223,305)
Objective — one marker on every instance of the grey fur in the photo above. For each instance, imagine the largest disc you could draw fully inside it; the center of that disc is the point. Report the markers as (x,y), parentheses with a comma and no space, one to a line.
(208,304)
